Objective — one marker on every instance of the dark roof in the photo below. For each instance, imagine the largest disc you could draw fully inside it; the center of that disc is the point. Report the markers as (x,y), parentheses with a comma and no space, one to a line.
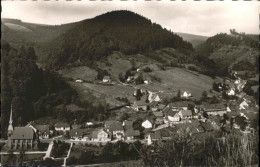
(161,106)
(158,114)
(42,128)
(22,133)
(166,109)
(186,113)
(155,136)
(76,132)
(61,124)
(171,113)
(95,133)
(128,124)
(140,103)
(116,126)
(130,133)
(153,104)
(214,106)
(179,104)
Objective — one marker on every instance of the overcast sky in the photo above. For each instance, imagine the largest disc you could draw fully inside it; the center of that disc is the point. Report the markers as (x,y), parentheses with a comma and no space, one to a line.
(202,17)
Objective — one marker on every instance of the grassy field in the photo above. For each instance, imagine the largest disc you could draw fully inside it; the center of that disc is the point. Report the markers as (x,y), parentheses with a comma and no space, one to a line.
(176,79)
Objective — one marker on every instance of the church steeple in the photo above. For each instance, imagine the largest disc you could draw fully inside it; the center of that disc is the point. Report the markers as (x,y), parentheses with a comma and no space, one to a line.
(10,127)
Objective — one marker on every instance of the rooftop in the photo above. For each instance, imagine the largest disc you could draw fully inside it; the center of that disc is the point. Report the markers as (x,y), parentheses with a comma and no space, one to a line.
(22,133)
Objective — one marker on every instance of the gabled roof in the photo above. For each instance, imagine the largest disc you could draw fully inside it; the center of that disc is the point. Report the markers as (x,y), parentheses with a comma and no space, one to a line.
(166,109)
(76,132)
(153,104)
(214,106)
(42,128)
(61,124)
(128,124)
(22,133)
(130,133)
(106,77)
(140,103)
(186,113)
(95,133)
(155,136)
(171,113)
(158,114)
(161,106)
(115,126)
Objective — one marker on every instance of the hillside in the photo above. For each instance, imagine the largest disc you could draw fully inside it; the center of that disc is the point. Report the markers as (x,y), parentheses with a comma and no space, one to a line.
(195,40)
(228,50)
(96,38)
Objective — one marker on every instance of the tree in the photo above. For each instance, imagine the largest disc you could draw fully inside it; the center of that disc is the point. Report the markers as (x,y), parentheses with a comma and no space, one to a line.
(179,94)
(138,94)
(204,95)
(139,79)
(31,54)
(241,121)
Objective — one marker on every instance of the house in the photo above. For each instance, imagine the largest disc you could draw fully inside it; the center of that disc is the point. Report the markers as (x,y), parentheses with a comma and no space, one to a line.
(130,79)
(214,109)
(181,105)
(79,80)
(185,94)
(153,97)
(43,131)
(147,124)
(161,107)
(106,79)
(159,117)
(76,134)
(62,126)
(215,123)
(185,114)
(132,134)
(89,124)
(140,105)
(231,92)
(173,116)
(153,137)
(128,125)
(116,128)
(249,99)
(21,137)
(243,105)
(153,106)
(101,135)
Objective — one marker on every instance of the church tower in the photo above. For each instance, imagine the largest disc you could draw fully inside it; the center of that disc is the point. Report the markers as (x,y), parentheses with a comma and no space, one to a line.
(10,127)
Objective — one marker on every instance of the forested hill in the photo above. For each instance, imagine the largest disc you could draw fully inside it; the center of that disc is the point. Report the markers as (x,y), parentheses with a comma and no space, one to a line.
(122,31)
(236,50)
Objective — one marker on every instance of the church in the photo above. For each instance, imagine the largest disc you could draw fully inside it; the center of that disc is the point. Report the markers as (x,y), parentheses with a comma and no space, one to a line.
(19,137)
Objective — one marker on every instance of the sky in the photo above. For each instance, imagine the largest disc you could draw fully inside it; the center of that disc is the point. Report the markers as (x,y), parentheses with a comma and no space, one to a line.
(194,17)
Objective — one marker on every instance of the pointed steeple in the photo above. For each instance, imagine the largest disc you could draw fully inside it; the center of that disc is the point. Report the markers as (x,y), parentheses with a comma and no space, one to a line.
(10,127)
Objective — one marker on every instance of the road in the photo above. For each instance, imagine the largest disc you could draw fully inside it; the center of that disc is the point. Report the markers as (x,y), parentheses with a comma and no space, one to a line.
(26,152)
(48,152)
(65,159)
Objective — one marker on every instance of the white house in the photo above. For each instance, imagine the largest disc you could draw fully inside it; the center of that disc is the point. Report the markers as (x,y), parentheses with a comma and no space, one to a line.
(106,79)
(146,82)
(173,116)
(101,135)
(243,105)
(153,97)
(186,94)
(62,127)
(147,124)
(231,92)
(79,80)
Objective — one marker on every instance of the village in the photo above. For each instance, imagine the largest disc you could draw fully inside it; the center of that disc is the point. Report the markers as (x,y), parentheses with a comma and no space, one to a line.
(225,108)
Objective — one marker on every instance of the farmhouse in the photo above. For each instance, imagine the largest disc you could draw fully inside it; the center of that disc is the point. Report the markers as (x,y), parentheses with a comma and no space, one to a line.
(76,134)
(214,109)
(116,128)
(181,105)
(101,135)
(243,105)
(231,92)
(62,126)
(185,114)
(140,105)
(132,134)
(43,131)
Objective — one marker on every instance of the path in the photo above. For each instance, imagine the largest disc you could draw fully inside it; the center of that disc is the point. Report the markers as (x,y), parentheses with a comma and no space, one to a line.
(48,152)
(26,152)
(65,159)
